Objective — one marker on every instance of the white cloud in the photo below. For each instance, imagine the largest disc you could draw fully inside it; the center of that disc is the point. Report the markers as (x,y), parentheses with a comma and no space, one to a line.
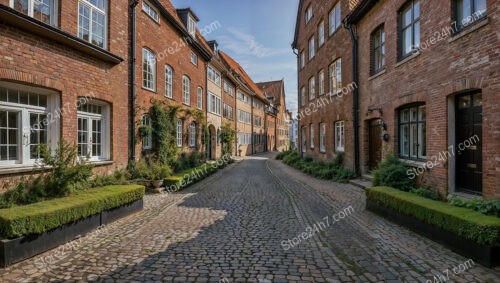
(245,44)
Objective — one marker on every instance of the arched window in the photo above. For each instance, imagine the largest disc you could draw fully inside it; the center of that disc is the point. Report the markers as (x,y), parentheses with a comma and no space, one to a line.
(186,90)
(200,98)
(169,81)
(148,70)
(192,134)
(179,133)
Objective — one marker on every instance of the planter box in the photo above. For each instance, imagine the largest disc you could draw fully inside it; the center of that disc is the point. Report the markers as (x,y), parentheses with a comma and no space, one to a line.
(486,255)
(15,250)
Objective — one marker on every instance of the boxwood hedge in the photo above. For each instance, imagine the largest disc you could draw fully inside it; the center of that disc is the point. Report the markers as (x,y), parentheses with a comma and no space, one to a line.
(43,216)
(472,225)
(188,177)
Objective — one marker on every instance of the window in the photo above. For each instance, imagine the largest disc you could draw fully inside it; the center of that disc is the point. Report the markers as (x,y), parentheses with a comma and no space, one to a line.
(336,77)
(243,97)
(200,98)
(186,90)
(146,7)
(309,14)
(339,136)
(228,112)
(192,135)
(214,76)
(312,88)
(302,60)
(26,122)
(311,48)
(304,139)
(412,132)
(147,141)
(92,21)
(468,11)
(214,104)
(257,121)
(244,117)
(311,136)
(179,133)
(321,78)
(93,132)
(322,132)
(378,50)
(42,10)
(231,90)
(409,28)
(169,81)
(191,26)
(244,139)
(321,33)
(226,88)
(303,96)
(148,70)
(334,18)
(194,59)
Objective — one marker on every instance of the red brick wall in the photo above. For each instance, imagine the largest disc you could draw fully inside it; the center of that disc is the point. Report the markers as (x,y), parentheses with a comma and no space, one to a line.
(336,46)
(29,59)
(443,69)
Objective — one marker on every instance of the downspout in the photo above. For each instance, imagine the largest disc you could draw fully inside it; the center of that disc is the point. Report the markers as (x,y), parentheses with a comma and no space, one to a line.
(207,150)
(251,123)
(355,106)
(299,131)
(133,57)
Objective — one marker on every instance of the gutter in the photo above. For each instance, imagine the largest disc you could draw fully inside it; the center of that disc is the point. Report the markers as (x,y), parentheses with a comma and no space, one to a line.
(355,104)
(133,57)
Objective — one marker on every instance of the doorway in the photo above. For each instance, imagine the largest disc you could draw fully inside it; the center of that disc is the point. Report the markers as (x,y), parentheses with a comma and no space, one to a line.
(375,143)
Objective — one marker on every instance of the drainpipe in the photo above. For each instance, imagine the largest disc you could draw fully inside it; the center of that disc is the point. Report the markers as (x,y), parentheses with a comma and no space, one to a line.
(355,106)
(207,150)
(251,123)
(299,131)
(133,57)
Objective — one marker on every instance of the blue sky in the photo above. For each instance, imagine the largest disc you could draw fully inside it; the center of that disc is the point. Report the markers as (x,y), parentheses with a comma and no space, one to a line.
(256,33)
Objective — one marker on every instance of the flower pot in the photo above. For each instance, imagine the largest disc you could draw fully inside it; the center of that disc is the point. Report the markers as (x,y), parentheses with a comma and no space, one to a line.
(157,183)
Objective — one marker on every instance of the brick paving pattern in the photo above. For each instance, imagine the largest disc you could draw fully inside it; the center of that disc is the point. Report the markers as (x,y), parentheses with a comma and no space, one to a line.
(232,225)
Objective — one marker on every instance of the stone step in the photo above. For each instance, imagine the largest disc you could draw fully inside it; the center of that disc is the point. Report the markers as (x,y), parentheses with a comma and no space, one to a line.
(361,183)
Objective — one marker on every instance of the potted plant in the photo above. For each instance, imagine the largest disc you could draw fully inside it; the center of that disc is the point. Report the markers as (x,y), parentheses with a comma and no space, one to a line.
(149,172)
(157,174)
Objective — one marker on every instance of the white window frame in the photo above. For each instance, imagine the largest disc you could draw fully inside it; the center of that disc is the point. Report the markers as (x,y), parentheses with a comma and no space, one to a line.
(214,76)
(321,79)
(312,88)
(194,58)
(322,133)
(31,10)
(321,33)
(302,60)
(334,19)
(150,11)
(147,142)
(312,48)
(214,104)
(200,98)
(104,117)
(93,9)
(24,129)
(148,58)
(179,132)
(335,77)
(192,134)
(186,90)
(191,26)
(169,81)
(311,136)
(303,97)
(309,14)
(340,136)
(228,112)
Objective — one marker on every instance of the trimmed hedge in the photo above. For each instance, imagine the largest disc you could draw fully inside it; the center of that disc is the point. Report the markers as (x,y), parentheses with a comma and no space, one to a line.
(46,215)
(195,174)
(472,225)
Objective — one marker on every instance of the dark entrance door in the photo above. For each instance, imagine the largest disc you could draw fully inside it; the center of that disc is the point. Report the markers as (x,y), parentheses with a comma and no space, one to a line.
(375,143)
(468,146)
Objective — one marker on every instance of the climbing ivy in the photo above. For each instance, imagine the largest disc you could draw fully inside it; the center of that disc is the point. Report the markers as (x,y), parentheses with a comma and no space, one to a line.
(228,135)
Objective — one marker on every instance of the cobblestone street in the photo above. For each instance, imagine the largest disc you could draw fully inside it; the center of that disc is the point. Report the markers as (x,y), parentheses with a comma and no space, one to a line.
(230,228)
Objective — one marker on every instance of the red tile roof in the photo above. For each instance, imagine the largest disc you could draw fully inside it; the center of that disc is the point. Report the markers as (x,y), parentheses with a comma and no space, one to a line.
(274,89)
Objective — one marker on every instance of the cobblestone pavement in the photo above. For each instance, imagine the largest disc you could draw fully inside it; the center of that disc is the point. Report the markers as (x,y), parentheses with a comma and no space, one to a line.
(230,228)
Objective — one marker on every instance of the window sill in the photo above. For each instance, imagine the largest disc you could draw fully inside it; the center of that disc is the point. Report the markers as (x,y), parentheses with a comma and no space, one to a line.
(101,162)
(469,29)
(405,60)
(17,169)
(380,73)
(148,89)
(34,26)
(414,163)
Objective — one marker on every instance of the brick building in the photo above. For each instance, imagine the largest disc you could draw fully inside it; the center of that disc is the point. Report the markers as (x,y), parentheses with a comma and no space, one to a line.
(63,77)
(438,62)
(325,81)
(275,92)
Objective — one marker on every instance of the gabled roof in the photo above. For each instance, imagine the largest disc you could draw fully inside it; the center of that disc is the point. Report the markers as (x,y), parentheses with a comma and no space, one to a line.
(168,11)
(297,25)
(275,89)
(244,77)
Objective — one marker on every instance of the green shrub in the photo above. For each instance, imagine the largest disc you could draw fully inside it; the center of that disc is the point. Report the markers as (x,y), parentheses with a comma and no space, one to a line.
(488,207)
(190,176)
(343,175)
(391,172)
(47,215)
(148,169)
(282,155)
(425,193)
(482,229)
(308,159)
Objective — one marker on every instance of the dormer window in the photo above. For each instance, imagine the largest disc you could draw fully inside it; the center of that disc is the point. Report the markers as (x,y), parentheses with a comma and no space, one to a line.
(192,26)
(42,10)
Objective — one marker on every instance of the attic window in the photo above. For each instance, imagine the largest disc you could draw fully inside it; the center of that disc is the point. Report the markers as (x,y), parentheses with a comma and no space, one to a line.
(191,26)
